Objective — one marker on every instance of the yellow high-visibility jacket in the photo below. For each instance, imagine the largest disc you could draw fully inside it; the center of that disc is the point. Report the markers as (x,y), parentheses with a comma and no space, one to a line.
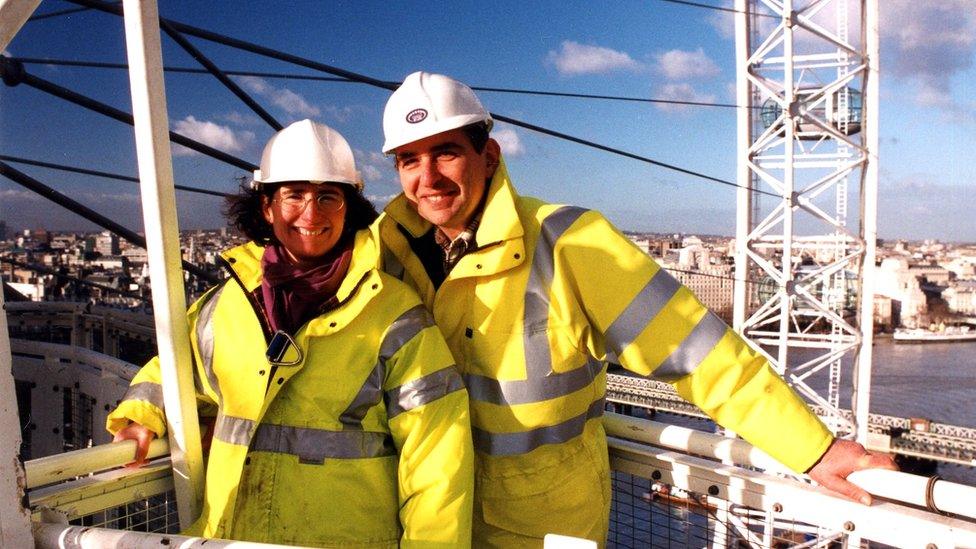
(365,443)
(550,294)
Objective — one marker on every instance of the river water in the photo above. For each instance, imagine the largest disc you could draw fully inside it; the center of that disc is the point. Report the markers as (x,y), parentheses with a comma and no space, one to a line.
(936,381)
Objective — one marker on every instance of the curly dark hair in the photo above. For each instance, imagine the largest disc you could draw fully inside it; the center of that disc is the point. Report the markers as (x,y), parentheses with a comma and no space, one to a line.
(245,211)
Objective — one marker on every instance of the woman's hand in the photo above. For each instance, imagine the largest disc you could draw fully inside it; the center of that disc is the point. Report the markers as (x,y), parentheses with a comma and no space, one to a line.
(142,435)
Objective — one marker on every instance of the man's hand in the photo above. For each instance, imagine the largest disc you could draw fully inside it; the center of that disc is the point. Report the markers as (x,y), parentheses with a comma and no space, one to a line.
(842,458)
(142,435)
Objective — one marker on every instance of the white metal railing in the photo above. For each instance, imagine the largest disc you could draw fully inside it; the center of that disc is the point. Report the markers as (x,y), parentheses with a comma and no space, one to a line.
(950,497)
(101,484)
(712,486)
(62,467)
(141,322)
(66,381)
(104,364)
(674,464)
(57,536)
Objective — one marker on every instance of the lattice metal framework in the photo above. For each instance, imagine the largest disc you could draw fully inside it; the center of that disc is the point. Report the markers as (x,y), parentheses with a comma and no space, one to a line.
(807,132)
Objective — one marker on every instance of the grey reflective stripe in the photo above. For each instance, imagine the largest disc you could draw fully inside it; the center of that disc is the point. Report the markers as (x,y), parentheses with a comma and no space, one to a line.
(693,349)
(233,430)
(370,394)
(641,311)
(423,390)
(316,445)
(538,356)
(486,389)
(146,391)
(205,339)
(401,330)
(507,444)
(541,382)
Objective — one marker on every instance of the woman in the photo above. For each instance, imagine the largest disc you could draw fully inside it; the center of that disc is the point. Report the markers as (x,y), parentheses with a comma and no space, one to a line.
(340,419)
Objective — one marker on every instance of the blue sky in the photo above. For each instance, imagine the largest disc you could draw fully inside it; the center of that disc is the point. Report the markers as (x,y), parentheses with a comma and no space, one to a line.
(648,48)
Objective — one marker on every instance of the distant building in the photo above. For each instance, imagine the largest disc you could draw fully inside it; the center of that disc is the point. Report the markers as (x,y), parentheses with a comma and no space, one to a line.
(135,255)
(107,243)
(33,291)
(963,267)
(110,262)
(933,274)
(882,313)
(641,242)
(42,237)
(961,298)
(897,281)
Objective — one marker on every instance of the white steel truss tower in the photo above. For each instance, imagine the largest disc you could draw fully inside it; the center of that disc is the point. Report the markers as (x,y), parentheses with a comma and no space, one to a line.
(807,129)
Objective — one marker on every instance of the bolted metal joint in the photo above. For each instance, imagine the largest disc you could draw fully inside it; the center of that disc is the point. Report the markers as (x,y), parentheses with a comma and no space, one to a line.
(12,71)
(789,19)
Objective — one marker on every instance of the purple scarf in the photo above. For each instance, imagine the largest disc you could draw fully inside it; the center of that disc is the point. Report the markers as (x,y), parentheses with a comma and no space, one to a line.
(293,295)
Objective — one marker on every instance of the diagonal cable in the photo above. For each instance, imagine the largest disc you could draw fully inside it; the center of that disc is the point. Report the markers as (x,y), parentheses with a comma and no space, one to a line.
(14,74)
(317,78)
(315,65)
(85,171)
(219,75)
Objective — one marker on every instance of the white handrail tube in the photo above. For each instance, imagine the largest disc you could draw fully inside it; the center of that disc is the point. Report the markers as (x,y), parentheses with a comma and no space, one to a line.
(62,536)
(894,485)
(59,467)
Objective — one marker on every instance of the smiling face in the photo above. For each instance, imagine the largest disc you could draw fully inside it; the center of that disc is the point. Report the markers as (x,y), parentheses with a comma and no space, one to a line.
(305,219)
(445,178)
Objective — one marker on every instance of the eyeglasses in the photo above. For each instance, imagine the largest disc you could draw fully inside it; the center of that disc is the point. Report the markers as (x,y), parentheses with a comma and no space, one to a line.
(296,202)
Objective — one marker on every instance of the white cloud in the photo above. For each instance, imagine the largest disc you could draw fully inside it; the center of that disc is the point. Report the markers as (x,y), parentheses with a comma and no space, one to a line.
(722,21)
(509,141)
(285,99)
(371,173)
(574,58)
(17,194)
(682,65)
(211,134)
(919,204)
(380,200)
(254,84)
(929,43)
(680,92)
(292,103)
(235,117)
(111,198)
(344,114)
(373,166)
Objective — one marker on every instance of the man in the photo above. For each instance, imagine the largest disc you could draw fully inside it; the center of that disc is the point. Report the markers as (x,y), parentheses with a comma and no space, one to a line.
(533,299)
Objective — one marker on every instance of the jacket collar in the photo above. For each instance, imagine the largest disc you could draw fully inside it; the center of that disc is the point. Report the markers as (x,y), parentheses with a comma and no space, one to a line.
(245,263)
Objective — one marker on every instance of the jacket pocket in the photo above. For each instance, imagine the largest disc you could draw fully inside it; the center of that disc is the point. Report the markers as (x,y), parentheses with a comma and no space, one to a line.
(569,498)
(350,502)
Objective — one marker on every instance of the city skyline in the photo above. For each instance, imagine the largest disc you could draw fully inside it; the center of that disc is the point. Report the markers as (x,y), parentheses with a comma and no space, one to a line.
(653,49)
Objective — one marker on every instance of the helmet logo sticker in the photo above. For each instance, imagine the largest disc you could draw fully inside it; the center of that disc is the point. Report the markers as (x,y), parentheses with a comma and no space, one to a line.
(416,115)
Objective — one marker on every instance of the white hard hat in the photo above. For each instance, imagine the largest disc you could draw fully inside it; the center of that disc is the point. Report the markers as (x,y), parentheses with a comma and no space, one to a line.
(307,151)
(427,104)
